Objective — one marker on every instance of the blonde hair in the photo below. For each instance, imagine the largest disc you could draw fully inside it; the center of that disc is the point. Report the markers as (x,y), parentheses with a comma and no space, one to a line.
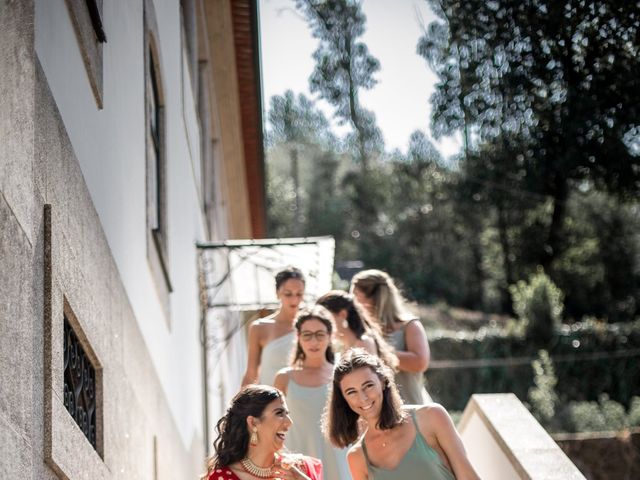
(387,301)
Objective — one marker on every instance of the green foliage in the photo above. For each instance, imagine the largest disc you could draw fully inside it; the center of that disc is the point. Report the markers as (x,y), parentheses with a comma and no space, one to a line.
(344,67)
(281,197)
(587,417)
(296,120)
(583,355)
(538,303)
(596,416)
(597,269)
(614,415)
(542,396)
(547,103)
(559,78)
(634,412)
(302,170)
(529,188)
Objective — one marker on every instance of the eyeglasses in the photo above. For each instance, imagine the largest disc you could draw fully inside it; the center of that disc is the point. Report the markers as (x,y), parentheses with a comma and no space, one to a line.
(320,335)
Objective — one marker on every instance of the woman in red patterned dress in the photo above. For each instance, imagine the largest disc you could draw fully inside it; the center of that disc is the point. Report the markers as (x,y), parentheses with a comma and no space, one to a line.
(250,437)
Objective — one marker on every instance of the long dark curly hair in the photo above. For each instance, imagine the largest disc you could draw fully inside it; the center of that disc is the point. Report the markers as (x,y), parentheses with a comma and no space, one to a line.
(340,423)
(359,323)
(317,312)
(232,442)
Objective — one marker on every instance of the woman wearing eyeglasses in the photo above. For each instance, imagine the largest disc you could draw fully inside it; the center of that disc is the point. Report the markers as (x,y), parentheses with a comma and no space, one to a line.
(306,386)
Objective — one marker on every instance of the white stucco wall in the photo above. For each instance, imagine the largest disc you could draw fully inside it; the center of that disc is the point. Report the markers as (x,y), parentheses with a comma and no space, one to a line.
(485,453)
(110,147)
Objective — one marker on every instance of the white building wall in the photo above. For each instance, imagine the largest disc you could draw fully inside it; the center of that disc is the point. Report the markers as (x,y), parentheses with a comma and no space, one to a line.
(110,147)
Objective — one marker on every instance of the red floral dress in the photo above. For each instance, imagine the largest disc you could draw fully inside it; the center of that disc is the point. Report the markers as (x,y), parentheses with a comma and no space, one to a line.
(311,466)
(223,473)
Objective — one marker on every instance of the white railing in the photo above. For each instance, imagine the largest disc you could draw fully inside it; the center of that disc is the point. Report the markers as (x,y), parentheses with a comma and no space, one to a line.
(505,442)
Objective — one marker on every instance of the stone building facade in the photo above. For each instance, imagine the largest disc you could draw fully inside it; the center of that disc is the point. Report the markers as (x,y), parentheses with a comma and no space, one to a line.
(130,130)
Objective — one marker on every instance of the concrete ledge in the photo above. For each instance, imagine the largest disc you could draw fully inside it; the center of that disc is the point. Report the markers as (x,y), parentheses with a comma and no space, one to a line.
(504,441)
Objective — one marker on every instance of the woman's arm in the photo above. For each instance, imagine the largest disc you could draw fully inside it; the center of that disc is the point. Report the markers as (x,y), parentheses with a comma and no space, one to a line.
(434,420)
(253,360)
(357,463)
(417,355)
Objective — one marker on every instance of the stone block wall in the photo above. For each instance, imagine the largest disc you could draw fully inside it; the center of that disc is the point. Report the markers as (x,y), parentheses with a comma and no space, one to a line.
(57,263)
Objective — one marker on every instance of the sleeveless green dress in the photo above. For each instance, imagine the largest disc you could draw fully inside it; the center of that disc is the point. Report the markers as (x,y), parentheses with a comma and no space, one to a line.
(421,462)
(306,405)
(410,384)
(275,355)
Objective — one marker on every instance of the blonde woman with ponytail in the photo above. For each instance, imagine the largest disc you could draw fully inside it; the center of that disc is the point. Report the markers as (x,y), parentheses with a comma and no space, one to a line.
(378,294)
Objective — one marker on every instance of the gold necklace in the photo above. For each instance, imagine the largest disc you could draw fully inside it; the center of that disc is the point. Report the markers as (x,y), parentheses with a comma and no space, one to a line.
(255,470)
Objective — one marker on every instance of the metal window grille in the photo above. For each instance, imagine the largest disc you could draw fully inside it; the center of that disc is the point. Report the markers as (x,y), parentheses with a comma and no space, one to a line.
(79,384)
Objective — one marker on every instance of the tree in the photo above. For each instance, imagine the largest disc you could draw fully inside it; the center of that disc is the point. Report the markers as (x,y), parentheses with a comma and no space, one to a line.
(299,132)
(344,66)
(539,304)
(560,77)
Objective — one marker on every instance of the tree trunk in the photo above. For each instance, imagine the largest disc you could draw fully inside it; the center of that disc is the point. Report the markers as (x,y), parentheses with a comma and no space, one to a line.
(503,224)
(295,174)
(552,247)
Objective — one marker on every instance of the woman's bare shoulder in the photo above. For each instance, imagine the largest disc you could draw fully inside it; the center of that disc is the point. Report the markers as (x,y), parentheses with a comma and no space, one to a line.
(264,321)
(432,417)
(355,450)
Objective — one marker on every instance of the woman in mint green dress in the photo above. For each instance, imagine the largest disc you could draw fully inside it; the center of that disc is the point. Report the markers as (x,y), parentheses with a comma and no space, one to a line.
(376,291)
(306,387)
(272,338)
(413,443)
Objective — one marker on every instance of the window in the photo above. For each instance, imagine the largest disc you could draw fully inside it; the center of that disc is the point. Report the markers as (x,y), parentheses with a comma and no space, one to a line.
(190,38)
(86,17)
(155,150)
(207,150)
(72,367)
(156,161)
(79,384)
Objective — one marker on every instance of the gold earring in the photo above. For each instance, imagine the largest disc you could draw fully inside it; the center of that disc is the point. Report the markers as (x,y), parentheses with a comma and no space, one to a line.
(253,440)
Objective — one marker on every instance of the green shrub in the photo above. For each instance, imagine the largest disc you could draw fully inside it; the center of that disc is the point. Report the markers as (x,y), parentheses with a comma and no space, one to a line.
(615,417)
(633,417)
(580,378)
(538,304)
(586,417)
(542,396)
(603,415)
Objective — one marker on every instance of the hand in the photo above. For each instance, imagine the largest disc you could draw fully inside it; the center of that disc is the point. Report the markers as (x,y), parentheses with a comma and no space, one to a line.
(286,469)
(280,473)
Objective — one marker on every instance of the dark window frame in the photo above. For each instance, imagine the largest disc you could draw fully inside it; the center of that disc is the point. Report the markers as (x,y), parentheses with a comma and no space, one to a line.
(87,19)
(157,225)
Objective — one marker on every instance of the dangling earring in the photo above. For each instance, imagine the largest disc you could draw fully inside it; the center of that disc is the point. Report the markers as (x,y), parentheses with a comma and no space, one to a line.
(345,324)
(253,440)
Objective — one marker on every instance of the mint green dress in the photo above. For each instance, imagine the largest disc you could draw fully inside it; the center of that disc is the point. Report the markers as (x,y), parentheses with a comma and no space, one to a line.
(421,462)
(276,355)
(410,384)
(306,405)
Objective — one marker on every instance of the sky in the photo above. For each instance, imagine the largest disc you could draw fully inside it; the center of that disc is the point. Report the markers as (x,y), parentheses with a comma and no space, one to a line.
(400,100)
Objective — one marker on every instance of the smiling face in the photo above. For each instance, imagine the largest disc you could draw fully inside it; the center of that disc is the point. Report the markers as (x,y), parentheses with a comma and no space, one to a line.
(272,425)
(362,389)
(290,294)
(314,338)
